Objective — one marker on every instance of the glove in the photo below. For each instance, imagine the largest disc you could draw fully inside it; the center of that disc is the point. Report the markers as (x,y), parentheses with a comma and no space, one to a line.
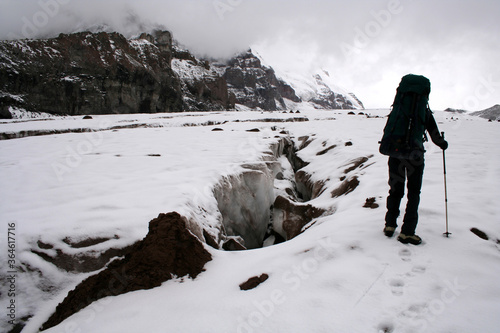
(443,145)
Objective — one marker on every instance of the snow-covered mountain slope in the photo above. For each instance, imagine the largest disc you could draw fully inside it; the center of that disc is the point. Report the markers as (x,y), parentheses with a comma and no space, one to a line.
(314,86)
(340,274)
(492,113)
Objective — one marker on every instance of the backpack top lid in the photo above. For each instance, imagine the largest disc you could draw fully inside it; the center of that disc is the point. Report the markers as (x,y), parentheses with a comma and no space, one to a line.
(415,83)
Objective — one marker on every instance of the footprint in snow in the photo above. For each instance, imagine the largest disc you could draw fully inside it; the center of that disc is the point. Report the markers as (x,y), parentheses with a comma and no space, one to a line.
(419,269)
(397,287)
(405,254)
(416,270)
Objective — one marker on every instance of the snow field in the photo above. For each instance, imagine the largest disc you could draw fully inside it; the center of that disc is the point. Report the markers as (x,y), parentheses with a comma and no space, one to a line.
(341,275)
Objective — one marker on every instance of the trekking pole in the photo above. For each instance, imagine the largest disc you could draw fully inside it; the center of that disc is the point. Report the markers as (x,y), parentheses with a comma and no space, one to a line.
(447,234)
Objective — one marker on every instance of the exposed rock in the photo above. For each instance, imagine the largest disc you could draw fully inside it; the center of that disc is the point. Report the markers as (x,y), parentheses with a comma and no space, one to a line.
(371,203)
(169,250)
(305,141)
(492,113)
(106,73)
(308,188)
(327,99)
(253,282)
(455,110)
(255,85)
(81,263)
(294,215)
(479,233)
(323,152)
(210,240)
(234,244)
(346,187)
(272,237)
(356,163)
(286,91)
(86,242)
(92,73)
(4,112)
(203,87)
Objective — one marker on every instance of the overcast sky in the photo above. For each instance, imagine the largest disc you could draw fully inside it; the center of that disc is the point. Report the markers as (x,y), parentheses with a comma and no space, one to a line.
(366,45)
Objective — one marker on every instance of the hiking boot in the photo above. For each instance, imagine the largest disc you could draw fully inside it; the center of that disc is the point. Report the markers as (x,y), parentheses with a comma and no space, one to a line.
(409,239)
(389,231)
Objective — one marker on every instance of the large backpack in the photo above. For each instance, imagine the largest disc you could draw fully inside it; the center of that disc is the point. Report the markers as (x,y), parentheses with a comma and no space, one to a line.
(404,131)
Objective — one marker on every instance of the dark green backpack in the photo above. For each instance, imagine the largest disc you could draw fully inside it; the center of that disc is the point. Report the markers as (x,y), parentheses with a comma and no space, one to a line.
(404,133)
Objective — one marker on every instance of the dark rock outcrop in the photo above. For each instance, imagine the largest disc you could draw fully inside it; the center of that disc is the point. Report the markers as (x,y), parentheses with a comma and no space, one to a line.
(255,85)
(479,233)
(91,73)
(458,111)
(169,250)
(371,203)
(308,188)
(296,215)
(203,86)
(105,73)
(492,113)
(254,282)
(4,112)
(326,98)
(347,186)
(85,261)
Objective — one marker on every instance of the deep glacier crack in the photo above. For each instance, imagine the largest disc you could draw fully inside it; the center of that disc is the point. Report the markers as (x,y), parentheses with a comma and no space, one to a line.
(263,205)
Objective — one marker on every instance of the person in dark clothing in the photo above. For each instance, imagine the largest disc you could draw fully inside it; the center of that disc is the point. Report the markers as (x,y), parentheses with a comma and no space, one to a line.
(411,170)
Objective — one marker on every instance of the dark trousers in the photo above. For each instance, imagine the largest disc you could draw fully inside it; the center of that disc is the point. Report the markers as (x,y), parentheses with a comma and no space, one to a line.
(401,170)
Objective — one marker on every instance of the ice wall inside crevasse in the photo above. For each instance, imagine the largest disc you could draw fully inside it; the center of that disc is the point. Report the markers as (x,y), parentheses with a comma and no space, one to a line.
(262,205)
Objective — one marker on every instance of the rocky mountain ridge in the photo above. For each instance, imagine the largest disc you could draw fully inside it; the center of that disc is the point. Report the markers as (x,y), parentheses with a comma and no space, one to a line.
(105,73)
(492,113)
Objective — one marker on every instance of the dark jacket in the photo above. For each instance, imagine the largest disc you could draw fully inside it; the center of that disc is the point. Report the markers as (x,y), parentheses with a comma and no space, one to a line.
(432,128)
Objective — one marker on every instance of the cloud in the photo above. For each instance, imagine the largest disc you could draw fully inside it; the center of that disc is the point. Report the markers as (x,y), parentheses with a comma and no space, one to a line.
(367,45)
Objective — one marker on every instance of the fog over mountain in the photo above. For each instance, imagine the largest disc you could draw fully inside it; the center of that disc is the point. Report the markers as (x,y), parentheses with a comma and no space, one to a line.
(366,46)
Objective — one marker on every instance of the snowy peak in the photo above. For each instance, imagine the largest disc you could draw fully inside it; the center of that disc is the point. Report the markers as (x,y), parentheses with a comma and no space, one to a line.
(315,87)
(320,90)
(326,98)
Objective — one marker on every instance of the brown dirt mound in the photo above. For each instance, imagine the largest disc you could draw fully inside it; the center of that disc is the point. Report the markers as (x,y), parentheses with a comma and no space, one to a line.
(479,233)
(371,203)
(253,282)
(168,250)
